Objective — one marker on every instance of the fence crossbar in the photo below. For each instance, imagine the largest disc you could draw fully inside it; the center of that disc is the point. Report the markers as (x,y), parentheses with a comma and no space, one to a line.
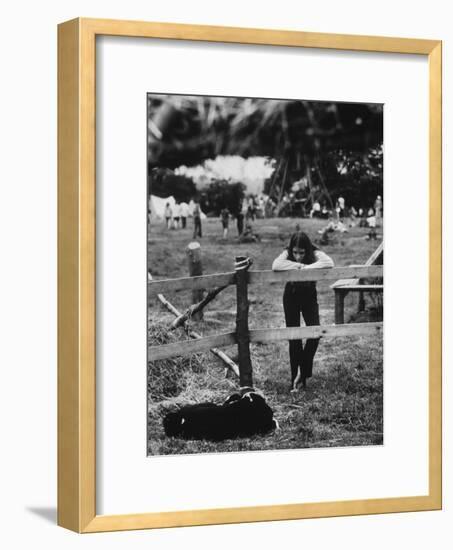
(324,274)
(263,277)
(294,333)
(187,347)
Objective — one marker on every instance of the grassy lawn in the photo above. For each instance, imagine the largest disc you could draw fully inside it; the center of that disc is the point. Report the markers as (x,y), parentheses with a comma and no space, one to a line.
(343,402)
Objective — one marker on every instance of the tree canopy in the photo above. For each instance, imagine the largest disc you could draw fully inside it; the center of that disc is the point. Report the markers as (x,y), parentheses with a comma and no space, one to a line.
(334,147)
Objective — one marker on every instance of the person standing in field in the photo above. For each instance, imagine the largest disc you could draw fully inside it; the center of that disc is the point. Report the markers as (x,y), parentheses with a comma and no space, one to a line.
(301,298)
(177,215)
(240,221)
(196,220)
(225,218)
(315,212)
(184,214)
(341,205)
(378,210)
(250,209)
(168,215)
(371,221)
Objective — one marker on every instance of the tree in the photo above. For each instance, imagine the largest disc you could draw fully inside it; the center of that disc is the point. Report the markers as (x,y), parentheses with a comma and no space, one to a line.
(189,129)
(357,177)
(162,182)
(306,138)
(222,194)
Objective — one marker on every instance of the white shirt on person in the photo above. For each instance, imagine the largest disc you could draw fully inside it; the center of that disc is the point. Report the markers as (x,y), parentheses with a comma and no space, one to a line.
(184,209)
(371,221)
(282,263)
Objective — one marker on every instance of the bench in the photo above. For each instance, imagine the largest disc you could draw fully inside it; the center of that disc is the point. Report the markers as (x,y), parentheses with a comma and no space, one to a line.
(343,286)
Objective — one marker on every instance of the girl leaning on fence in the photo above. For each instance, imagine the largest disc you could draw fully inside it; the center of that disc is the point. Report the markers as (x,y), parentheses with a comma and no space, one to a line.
(301,298)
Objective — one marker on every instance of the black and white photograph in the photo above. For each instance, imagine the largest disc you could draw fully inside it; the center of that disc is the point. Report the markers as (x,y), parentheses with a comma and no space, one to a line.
(199,202)
(265,223)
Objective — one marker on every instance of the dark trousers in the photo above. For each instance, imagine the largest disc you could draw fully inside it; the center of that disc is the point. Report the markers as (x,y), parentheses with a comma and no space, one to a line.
(196,227)
(183,221)
(240,224)
(301,298)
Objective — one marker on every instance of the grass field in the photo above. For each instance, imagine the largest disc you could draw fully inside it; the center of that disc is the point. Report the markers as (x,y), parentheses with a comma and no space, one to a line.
(343,402)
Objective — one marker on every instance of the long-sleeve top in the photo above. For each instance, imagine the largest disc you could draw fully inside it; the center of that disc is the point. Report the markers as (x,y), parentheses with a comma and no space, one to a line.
(281,263)
(184,210)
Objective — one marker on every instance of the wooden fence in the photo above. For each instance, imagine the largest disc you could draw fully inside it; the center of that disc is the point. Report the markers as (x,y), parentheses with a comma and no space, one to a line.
(242,336)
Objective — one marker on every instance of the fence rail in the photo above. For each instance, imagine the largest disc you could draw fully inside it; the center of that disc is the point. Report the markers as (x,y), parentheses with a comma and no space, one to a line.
(263,277)
(316,331)
(186,347)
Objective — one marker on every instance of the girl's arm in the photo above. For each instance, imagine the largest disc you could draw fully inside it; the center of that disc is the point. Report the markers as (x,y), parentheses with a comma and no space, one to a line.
(322,260)
(281,263)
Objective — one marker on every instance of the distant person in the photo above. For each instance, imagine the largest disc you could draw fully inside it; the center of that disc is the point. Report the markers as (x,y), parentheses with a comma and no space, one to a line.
(341,204)
(261,207)
(270,208)
(196,220)
(168,215)
(301,298)
(251,209)
(240,222)
(333,225)
(324,212)
(352,217)
(371,220)
(378,210)
(184,214)
(248,236)
(225,218)
(283,207)
(315,212)
(177,215)
(291,203)
(362,216)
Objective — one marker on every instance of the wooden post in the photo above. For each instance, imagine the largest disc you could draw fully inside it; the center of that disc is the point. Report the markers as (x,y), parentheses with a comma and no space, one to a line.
(339,306)
(195,268)
(361,301)
(242,323)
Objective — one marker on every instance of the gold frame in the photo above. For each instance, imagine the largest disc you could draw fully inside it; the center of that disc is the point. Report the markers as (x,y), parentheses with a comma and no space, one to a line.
(76,274)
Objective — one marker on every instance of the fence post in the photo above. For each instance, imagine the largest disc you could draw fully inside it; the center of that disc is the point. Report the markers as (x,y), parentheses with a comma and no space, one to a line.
(242,322)
(339,306)
(361,301)
(195,268)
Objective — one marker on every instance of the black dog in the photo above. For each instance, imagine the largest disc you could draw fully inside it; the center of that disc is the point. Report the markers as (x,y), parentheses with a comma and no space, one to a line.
(238,416)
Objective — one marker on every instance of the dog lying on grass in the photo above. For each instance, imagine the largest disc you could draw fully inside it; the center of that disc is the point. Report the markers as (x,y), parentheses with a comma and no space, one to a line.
(238,416)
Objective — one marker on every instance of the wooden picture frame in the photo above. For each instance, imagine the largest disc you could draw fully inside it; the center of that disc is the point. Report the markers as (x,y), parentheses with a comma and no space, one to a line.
(77,264)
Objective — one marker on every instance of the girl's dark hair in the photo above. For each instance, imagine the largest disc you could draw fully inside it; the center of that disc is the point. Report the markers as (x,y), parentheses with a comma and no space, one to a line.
(302,240)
